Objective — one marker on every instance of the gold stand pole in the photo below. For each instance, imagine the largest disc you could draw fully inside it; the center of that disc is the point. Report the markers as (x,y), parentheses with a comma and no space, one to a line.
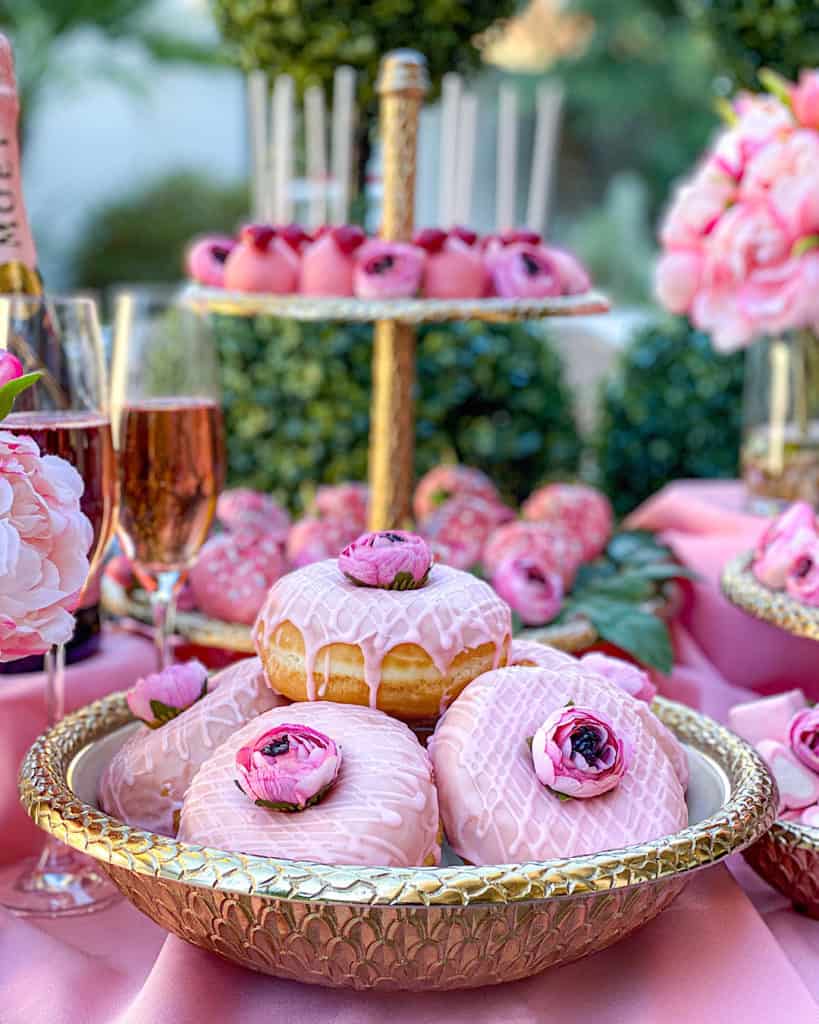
(402,83)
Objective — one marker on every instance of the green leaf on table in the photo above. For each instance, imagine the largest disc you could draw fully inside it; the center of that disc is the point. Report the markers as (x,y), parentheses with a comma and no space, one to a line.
(625,587)
(630,628)
(11,389)
(637,546)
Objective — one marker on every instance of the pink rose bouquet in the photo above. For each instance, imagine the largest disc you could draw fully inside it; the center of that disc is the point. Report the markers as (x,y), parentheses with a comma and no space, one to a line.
(44,542)
(288,768)
(389,559)
(577,753)
(741,238)
(161,696)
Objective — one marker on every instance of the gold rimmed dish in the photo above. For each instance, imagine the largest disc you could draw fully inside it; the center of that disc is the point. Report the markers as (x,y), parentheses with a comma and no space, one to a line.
(416,928)
(787,857)
(775,607)
(408,311)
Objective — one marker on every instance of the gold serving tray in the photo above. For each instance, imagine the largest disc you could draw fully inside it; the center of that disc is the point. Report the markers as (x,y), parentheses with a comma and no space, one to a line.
(415,928)
(745,591)
(407,311)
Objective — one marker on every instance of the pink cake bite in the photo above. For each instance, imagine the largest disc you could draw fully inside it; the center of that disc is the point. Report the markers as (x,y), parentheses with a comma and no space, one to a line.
(312,540)
(345,502)
(262,262)
(447,481)
(453,269)
(459,529)
(205,259)
(328,263)
(147,778)
(583,511)
(495,806)
(388,270)
(233,573)
(381,810)
(241,508)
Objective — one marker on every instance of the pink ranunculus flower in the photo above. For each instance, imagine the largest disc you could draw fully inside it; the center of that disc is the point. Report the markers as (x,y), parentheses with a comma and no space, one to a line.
(577,753)
(551,543)
(803,735)
(242,508)
(790,535)
(10,367)
(802,582)
(525,271)
(161,696)
(44,542)
(677,279)
(573,276)
(531,588)
(347,502)
(388,270)
(288,768)
(805,99)
(630,678)
(450,481)
(388,559)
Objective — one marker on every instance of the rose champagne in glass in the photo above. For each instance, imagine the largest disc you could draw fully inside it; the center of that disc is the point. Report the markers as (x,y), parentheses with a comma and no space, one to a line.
(168,433)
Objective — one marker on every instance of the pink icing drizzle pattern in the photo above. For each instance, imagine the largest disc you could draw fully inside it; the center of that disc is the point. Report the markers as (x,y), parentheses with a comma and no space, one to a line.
(453,612)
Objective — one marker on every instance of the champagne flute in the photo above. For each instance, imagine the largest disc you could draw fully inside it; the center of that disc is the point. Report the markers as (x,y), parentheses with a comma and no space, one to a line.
(66,413)
(168,434)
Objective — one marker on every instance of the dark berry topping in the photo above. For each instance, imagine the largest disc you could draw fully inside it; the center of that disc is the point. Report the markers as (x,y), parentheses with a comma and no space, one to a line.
(259,236)
(294,235)
(348,237)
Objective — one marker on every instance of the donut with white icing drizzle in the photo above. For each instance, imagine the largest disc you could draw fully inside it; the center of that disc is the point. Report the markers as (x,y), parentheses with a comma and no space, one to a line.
(146,779)
(406,652)
(382,810)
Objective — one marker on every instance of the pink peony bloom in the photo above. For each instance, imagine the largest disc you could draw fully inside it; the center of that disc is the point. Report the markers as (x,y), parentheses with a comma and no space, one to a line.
(550,543)
(346,502)
(389,559)
(576,752)
(532,589)
(44,541)
(630,678)
(525,271)
(388,270)
(288,768)
(805,100)
(783,543)
(803,736)
(161,696)
(450,481)
(312,540)
(205,259)
(786,174)
(762,119)
(583,511)
(677,279)
(783,297)
(10,367)
(696,207)
(244,509)
(803,578)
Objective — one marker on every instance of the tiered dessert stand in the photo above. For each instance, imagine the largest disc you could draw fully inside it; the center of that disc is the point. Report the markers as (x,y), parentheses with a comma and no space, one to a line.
(788,855)
(457,926)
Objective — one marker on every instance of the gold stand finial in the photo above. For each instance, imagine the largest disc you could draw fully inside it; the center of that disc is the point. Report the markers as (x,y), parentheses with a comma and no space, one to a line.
(402,83)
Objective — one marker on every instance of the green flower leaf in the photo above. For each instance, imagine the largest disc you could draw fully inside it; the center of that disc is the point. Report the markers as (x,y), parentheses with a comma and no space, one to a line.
(11,389)
(638,632)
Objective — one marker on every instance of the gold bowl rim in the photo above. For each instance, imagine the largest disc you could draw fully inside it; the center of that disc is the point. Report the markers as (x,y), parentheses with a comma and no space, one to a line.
(748,812)
(777,608)
(795,834)
(410,311)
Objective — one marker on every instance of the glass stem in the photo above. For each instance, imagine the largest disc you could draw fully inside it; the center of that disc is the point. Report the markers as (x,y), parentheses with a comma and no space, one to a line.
(54,855)
(163,605)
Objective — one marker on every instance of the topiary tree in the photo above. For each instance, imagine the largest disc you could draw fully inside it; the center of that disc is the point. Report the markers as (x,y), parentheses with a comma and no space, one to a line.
(753,34)
(672,409)
(309,39)
(297,403)
(143,237)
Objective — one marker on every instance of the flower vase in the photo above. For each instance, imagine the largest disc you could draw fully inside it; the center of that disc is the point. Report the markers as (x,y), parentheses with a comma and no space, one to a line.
(780,450)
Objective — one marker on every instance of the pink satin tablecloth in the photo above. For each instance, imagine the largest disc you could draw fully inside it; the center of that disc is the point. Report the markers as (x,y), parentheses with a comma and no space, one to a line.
(730,949)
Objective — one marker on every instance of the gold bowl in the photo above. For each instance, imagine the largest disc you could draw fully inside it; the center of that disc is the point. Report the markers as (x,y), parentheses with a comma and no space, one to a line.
(388,928)
(775,607)
(787,857)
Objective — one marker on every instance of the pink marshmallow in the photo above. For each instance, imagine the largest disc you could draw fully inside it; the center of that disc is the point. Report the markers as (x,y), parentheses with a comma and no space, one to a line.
(766,719)
(798,786)
(810,816)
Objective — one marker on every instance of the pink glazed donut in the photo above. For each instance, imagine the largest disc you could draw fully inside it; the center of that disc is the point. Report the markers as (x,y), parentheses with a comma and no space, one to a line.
(494,808)
(146,779)
(382,810)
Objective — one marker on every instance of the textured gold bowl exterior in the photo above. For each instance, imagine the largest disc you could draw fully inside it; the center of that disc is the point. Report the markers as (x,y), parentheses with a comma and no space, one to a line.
(406,311)
(787,857)
(745,591)
(414,928)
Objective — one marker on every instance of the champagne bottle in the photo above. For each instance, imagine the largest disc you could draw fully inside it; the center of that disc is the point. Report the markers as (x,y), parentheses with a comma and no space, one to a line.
(18,256)
(19,276)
